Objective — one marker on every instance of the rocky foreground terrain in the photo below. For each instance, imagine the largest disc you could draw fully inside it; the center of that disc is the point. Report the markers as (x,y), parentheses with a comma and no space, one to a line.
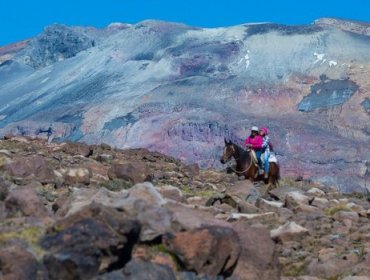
(73,211)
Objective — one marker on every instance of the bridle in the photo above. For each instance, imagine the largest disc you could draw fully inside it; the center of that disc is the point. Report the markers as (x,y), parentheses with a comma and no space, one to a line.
(245,170)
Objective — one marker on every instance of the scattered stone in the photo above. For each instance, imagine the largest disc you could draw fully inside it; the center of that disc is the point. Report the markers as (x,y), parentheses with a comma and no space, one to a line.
(139,269)
(78,149)
(104,158)
(345,215)
(289,231)
(17,263)
(134,172)
(316,192)
(25,201)
(320,202)
(260,217)
(171,192)
(356,278)
(76,176)
(192,170)
(294,199)
(267,205)
(32,165)
(357,208)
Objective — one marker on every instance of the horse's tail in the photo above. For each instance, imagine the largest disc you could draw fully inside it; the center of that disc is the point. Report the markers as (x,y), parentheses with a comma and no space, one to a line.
(278,177)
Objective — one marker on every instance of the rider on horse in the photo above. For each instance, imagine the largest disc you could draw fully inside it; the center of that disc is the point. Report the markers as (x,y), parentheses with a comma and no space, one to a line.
(254,142)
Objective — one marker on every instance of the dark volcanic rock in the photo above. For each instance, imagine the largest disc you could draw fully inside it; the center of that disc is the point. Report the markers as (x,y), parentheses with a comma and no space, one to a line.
(57,42)
(4,188)
(328,93)
(258,258)
(78,149)
(34,165)
(135,172)
(17,263)
(209,250)
(94,239)
(139,270)
(25,201)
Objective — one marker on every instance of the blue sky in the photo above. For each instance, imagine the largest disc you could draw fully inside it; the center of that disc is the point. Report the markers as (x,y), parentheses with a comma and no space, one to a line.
(21,19)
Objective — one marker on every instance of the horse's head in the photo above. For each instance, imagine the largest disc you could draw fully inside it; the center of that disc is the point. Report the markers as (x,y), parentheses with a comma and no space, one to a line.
(229,151)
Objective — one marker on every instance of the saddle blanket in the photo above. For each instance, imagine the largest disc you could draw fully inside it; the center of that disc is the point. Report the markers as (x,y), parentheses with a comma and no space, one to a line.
(272,158)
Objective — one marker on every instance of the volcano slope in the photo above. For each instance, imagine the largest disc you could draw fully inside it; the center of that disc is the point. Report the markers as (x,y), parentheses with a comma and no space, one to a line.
(180,90)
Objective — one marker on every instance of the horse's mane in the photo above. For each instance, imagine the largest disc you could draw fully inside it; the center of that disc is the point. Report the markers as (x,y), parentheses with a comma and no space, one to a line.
(244,154)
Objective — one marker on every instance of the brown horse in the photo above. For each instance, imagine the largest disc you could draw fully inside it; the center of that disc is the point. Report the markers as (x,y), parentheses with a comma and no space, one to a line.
(246,164)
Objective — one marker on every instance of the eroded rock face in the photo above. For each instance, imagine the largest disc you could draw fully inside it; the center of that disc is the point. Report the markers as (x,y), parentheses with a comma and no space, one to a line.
(258,258)
(94,239)
(17,263)
(209,250)
(56,43)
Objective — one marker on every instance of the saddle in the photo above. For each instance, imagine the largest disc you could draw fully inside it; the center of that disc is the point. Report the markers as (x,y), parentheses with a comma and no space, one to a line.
(254,158)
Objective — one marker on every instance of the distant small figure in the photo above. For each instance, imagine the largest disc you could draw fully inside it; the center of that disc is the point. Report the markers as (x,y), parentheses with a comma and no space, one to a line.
(50,134)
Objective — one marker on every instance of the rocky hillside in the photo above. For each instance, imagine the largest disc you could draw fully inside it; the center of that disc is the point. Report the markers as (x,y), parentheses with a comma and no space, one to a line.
(180,90)
(73,211)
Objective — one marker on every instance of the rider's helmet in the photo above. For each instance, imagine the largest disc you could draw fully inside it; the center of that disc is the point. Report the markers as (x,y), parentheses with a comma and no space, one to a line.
(254,128)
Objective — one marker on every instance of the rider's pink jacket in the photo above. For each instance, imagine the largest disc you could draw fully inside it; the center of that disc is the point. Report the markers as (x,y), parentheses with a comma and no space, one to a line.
(256,142)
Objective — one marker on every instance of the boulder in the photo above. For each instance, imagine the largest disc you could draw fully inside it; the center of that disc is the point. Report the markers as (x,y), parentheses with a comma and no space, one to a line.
(171,192)
(4,188)
(24,200)
(267,205)
(139,270)
(268,216)
(357,208)
(330,269)
(320,202)
(289,231)
(210,250)
(135,172)
(341,216)
(281,192)
(192,170)
(76,176)
(90,241)
(4,160)
(80,149)
(316,192)
(294,199)
(258,259)
(34,165)
(142,202)
(17,263)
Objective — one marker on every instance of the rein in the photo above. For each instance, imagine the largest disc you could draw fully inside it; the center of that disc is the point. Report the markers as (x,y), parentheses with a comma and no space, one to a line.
(245,170)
